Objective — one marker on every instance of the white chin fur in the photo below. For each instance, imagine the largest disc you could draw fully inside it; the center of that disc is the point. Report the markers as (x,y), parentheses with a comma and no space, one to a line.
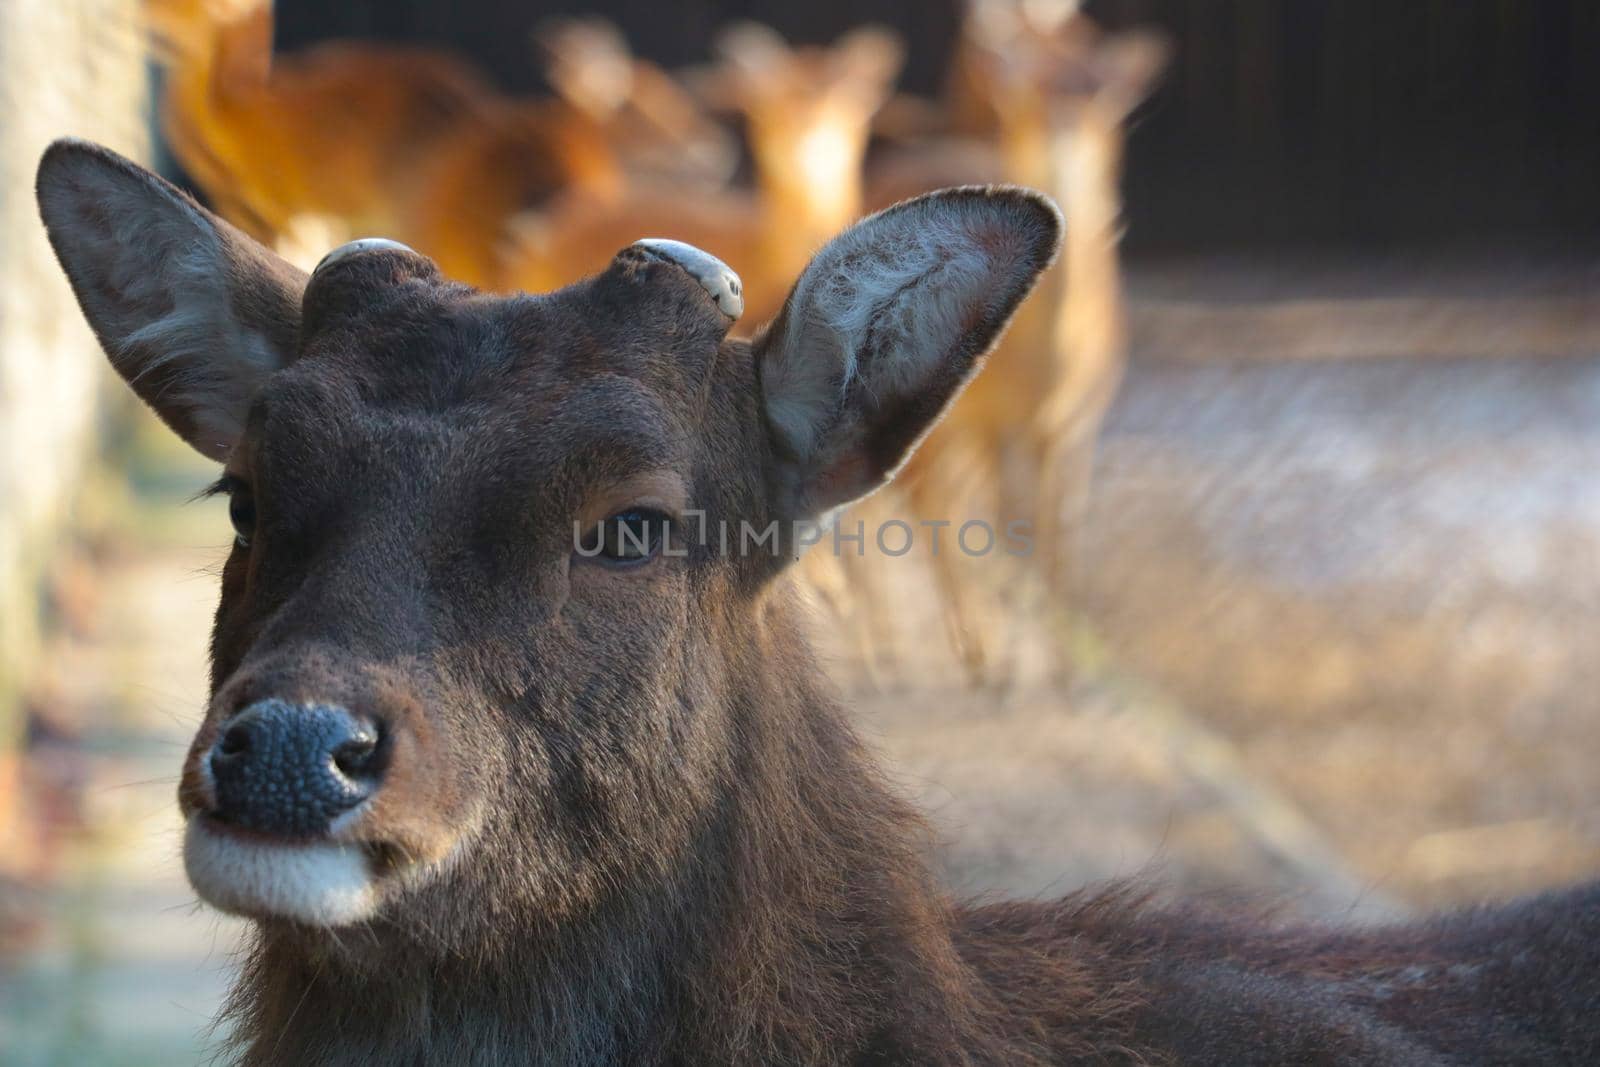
(320,883)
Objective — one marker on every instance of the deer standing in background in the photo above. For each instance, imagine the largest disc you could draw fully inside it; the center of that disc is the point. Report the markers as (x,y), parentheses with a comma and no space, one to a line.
(659,128)
(1059,93)
(349,137)
(1039,97)
(512,759)
(808,116)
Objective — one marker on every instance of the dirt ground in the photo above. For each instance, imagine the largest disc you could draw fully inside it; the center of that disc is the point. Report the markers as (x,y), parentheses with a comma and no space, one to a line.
(1337,587)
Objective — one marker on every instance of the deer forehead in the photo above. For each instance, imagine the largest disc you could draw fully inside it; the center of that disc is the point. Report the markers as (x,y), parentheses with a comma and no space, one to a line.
(520,420)
(431,343)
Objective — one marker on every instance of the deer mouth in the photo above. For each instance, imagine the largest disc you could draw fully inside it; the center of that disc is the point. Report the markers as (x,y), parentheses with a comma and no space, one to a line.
(280,798)
(318,882)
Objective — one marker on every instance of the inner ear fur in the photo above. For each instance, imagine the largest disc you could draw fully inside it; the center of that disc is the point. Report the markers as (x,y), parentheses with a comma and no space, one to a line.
(191,312)
(885,327)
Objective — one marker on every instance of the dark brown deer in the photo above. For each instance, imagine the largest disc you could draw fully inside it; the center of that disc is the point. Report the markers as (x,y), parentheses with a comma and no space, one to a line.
(501,785)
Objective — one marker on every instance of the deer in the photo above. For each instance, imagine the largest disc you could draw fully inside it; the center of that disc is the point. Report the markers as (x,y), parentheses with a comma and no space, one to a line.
(515,754)
(349,137)
(1039,96)
(808,114)
(1058,92)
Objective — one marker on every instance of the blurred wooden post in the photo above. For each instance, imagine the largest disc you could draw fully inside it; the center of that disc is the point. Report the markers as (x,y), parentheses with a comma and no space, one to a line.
(66,67)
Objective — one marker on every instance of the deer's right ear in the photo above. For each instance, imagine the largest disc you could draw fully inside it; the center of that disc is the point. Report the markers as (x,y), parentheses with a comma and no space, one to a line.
(884,328)
(193,314)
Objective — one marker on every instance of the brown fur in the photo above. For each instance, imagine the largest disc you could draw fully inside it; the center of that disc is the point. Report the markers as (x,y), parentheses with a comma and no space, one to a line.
(624,821)
(410,142)
(792,100)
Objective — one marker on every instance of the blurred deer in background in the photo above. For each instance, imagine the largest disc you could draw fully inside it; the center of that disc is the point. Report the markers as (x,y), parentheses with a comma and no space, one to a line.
(1057,92)
(1039,96)
(652,132)
(350,137)
(333,135)
(808,116)
(657,125)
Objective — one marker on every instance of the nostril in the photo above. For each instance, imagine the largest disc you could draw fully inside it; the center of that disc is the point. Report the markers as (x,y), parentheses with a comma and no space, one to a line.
(236,742)
(358,756)
(233,753)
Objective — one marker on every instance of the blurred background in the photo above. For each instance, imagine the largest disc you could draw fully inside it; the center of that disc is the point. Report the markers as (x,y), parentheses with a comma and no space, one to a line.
(1306,421)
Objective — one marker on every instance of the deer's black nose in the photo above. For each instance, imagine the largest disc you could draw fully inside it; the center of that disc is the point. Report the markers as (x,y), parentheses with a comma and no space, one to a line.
(292,769)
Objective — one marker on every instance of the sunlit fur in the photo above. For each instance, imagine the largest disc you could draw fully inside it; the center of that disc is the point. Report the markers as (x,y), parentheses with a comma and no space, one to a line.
(623,820)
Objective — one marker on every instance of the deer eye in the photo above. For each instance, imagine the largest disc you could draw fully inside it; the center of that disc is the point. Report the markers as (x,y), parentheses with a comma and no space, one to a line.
(241,510)
(629,537)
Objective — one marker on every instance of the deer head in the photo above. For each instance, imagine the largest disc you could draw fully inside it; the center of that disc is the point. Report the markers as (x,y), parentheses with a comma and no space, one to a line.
(481,657)
(1041,71)
(808,114)
(657,127)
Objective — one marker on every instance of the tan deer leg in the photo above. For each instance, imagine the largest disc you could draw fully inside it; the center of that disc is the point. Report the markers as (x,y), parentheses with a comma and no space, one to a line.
(851,589)
(966,587)
(1066,439)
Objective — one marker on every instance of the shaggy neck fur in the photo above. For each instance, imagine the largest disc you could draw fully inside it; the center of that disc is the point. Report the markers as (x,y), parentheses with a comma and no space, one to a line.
(805,928)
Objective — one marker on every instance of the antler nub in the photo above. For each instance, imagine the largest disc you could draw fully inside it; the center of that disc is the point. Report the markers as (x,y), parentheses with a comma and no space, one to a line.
(717,277)
(356,247)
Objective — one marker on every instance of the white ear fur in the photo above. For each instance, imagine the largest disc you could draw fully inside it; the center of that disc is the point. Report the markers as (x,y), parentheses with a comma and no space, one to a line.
(191,312)
(887,324)
(217,364)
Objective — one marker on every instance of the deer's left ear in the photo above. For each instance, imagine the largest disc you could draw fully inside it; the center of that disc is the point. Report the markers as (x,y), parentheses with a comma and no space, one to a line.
(885,327)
